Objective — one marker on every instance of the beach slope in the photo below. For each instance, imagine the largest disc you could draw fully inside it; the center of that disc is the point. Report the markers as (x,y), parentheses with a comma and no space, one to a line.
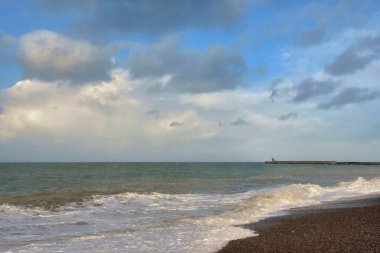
(352,226)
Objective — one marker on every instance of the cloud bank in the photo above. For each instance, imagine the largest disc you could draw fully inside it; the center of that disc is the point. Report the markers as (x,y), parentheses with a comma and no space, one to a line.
(151,80)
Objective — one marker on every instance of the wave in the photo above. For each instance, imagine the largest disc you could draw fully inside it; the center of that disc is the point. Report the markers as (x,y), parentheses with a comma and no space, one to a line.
(270,202)
(256,201)
(255,204)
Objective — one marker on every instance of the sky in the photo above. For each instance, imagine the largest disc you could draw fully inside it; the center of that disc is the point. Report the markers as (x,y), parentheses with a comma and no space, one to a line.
(168,80)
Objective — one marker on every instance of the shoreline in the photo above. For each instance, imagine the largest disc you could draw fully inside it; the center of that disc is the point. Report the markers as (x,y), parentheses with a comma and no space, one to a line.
(351,225)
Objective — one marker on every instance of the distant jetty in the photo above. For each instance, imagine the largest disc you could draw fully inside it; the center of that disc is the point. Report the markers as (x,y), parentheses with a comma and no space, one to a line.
(322,162)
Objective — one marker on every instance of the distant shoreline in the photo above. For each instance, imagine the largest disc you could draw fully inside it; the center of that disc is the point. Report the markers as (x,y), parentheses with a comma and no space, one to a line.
(322,162)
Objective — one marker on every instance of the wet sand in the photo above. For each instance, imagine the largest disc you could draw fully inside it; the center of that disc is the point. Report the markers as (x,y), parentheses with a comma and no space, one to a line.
(344,226)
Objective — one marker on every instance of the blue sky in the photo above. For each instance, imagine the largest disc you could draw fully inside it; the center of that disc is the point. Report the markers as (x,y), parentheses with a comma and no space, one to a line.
(115,80)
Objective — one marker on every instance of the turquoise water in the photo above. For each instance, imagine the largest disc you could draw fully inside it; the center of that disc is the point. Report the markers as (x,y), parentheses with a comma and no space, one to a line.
(136,207)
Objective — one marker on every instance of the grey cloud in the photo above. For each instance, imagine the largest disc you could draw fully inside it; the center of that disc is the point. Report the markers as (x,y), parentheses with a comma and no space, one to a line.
(190,71)
(355,57)
(310,88)
(176,124)
(273,94)
(351,95)
(275,91)
(328,19)
(216,70)
(160,59)
(331,19)
(50,56)
(288,116)
(240,122)
(311,38)
(155,113)
(83,5)
(153,17)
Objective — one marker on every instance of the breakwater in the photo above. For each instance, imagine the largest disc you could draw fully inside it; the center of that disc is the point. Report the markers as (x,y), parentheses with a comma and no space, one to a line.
(322,162)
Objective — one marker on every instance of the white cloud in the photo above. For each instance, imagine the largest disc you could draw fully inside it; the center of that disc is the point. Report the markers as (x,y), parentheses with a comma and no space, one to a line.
(60,110)
(226,100)
(108,120)
(91,116)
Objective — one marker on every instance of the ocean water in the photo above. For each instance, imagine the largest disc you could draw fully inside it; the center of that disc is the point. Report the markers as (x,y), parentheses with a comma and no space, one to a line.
(158,207)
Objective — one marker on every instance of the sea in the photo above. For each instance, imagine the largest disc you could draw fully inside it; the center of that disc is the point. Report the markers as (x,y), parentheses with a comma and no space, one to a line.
(159,207)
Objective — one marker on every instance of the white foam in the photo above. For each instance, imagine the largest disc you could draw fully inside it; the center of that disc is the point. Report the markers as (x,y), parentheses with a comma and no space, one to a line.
(267,202)
(156,222)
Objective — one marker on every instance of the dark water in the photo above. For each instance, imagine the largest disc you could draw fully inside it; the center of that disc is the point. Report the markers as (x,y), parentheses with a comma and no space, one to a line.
(29,178)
